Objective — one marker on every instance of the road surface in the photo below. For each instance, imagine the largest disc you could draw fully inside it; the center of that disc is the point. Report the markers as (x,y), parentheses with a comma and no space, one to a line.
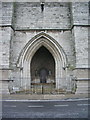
(45,108)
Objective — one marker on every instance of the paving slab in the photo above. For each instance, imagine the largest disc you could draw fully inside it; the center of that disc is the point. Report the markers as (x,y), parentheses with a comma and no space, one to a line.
(43,97)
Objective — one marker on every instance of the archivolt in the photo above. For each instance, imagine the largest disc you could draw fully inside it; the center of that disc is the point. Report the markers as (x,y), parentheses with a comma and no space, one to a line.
(42,39)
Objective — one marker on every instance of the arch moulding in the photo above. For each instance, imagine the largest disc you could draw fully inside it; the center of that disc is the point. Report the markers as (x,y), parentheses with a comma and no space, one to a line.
(24,61)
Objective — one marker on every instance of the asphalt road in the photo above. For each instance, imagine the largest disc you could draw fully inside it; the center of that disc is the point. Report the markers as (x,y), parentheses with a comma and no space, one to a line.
(45,109)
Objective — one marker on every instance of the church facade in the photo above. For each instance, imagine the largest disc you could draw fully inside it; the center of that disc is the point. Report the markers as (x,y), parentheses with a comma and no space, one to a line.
(44,43)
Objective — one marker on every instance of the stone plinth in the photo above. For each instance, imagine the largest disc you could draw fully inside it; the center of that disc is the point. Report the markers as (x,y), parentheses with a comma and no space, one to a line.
(4,87)
(83,86)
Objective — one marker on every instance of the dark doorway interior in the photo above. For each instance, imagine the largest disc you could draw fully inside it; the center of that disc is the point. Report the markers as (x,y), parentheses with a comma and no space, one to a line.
(43,65)
(43,73)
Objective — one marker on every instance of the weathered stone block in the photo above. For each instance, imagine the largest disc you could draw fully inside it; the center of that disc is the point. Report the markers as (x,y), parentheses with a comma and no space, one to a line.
(62,27)
(6,13)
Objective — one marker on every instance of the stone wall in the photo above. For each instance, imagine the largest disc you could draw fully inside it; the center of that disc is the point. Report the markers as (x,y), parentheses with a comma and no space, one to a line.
(80,13)
(66,22)
(6,33)
(64,38)
(81,46)
(80,20)
(29,15)
(6,13)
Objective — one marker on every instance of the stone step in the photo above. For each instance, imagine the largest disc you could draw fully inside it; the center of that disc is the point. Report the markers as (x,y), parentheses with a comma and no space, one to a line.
(44,91)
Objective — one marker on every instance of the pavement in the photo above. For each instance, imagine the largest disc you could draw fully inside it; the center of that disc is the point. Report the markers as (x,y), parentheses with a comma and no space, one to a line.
(42,97)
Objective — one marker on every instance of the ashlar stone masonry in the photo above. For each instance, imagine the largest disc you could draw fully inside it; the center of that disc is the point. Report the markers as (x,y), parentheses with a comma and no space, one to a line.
(48,39)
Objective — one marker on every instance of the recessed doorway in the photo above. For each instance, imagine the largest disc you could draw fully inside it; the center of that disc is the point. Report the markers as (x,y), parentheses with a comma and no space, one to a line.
(43,68)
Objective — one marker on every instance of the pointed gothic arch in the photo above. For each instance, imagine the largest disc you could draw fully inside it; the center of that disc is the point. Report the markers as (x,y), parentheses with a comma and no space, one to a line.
(42,39)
